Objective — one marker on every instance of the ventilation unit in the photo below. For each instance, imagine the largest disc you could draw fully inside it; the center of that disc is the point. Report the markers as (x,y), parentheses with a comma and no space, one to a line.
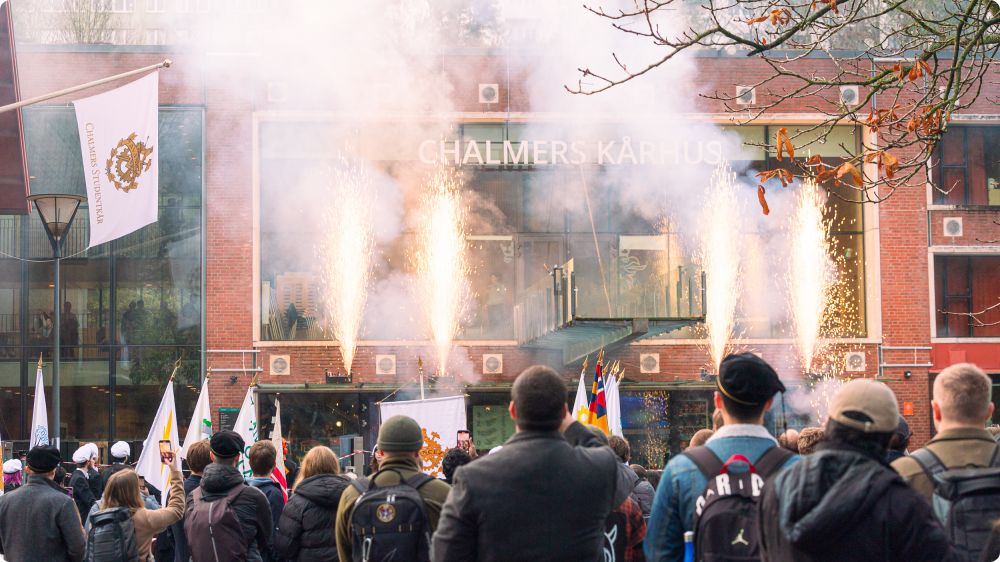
(277,92)
(649,363)
(280,365)
(746,95)
(492,363)
(952,226)
(489,93)
(849,95)
(385,364)
(855,362)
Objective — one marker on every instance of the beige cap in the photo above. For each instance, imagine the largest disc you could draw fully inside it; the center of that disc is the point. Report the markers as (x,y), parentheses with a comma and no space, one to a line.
(870,398)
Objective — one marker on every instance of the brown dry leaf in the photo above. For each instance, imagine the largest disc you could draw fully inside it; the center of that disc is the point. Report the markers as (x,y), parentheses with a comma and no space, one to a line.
(890,164)
(757,19)
(780,140)
(763,200)
(848,168)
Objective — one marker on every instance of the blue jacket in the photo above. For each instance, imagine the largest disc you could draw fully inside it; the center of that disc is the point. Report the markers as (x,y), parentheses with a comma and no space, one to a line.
(682,483)
(275,500)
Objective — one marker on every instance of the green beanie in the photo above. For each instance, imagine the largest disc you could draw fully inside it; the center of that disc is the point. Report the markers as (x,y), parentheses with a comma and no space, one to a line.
(400,434)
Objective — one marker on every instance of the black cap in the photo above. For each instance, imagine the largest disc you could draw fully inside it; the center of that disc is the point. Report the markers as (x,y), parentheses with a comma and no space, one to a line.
(43,458)
(747,379)
(903,429)
(227,444)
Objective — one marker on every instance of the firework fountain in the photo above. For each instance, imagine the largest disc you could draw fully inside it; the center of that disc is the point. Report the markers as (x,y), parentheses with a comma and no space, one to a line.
(811,275)
(720,261)
(346,253)
(811,281)
(441,261)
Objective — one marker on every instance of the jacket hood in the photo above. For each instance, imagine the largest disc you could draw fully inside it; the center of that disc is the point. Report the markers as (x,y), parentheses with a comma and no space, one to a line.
(220,478)
(827,493)
(322,489)
(263,482)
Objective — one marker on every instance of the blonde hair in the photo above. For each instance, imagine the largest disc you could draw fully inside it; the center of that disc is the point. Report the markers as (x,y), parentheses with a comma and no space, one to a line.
(963,393)
(700,437)
(122,490)
(319,460)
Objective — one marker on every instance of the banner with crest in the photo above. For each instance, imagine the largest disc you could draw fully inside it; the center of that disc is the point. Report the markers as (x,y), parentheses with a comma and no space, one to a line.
(439,418)
(119,139)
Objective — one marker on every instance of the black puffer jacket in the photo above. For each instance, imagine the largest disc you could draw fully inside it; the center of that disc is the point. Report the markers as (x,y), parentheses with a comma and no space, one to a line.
(843,504)
(305,531)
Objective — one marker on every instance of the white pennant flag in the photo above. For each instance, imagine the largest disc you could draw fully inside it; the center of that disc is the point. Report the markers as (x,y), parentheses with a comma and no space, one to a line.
(440,419)
(119,139)
(246,426)
(278,474)
(201,421)
(40,414)
(581,405)
(164,429)
(612,397)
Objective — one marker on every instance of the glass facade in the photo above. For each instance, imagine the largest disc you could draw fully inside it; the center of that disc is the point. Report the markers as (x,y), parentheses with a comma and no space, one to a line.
(627,232)
(130,308)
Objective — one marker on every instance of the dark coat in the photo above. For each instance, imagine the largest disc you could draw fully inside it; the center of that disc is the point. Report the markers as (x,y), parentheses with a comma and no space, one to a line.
(843,504)
(305,531)
(83,494)
(251,507)
(643,495)
(96,483)
(275,500)
(181,551)
(544,496)
(39,522)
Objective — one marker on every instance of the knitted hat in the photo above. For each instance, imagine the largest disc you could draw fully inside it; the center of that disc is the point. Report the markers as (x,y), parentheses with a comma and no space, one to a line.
(400,434)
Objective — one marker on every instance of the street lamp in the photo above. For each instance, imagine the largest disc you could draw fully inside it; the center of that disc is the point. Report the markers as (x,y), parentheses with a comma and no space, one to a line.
(57,212)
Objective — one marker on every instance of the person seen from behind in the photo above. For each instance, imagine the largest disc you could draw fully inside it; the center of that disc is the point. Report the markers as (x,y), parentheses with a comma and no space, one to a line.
(843,502)
(453,459)
(625,527)
(900,441)
(809,439)
(643,491)
(198,457)
(700,437)
(12,475)
(39,521)
(306,528)
(262,458)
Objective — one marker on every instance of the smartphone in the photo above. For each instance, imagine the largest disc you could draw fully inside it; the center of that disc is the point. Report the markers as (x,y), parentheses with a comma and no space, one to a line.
(166,455)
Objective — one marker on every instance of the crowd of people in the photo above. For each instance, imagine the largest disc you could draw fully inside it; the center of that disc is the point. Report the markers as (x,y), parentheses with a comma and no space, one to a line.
(556,490)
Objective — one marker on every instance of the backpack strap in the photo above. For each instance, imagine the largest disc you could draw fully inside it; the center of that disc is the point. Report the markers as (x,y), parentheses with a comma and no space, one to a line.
(929,463)
(995,461)
(706,460)
(418,480)
(361,485)
(772,460)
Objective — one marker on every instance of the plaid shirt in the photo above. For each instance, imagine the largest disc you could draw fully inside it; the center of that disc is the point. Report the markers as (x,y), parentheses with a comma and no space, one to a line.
(624,531)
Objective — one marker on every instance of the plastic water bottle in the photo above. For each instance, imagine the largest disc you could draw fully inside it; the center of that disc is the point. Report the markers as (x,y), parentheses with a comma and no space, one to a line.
(689,546)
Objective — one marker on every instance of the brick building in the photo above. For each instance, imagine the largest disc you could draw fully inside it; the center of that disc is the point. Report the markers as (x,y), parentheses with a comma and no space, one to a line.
(233,251)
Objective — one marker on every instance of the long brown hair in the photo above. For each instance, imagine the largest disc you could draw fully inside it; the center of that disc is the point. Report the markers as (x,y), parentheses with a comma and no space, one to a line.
(319,460)
(122,490)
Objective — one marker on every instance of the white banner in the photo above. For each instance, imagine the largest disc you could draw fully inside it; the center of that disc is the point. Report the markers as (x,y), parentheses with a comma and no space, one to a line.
(40,414)
(246,426)
(612,398)
(164,429)
(440,419)
(119,139)
(201,421)
(581,406)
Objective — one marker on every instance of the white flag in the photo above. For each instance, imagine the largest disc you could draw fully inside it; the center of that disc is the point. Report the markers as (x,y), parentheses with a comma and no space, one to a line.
(246,426)
(581,406)
(201,421)
(40,415)
(278,474)
(440,419)
(164,429)
(119,139)
(614,405)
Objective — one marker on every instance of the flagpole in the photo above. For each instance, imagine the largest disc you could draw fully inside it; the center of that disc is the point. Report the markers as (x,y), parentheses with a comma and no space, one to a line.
(73,89)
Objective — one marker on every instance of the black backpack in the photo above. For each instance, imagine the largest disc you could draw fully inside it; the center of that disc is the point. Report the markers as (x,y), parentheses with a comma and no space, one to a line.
(111,537)
(389,523)
(966,500)
(725,521)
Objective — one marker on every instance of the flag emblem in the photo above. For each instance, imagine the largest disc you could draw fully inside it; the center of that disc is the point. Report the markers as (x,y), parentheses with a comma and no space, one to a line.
(129,159)
(385,512)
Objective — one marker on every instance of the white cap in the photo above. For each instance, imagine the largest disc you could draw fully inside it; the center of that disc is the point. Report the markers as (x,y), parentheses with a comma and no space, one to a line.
(95,453)
(121,449)
(81,455)
(12,466)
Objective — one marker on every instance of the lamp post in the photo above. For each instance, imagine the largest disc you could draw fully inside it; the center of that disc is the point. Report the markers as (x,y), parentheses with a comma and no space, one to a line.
(57,212)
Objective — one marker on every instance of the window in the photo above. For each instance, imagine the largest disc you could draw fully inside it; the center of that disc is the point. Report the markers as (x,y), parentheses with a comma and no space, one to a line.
(156,5)
(121,6)
(154,37)
(967,296)
(967,167)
